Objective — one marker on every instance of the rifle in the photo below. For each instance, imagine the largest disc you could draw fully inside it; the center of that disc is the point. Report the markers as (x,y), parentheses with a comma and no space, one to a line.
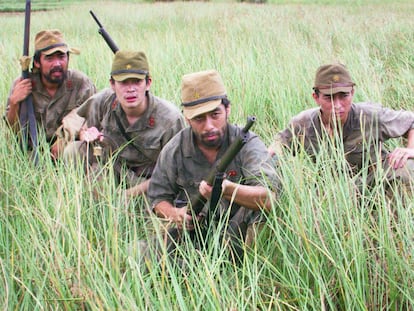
(216,175)
(26,111)
(104,34)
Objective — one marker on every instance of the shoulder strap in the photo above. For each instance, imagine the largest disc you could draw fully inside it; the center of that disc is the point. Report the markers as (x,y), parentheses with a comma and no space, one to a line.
(125,134)
(128,138)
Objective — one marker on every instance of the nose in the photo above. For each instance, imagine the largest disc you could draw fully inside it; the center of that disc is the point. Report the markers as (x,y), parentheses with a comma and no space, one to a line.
(336,101)
(131,87)
(208,123)
(57,62)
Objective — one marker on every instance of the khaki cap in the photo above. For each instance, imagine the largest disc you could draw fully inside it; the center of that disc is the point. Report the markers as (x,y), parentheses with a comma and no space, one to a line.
(129,64)
(332,79)
(51,41)
(201,92)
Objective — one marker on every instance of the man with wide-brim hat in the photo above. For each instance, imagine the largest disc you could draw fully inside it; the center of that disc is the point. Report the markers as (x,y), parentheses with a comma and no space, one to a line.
(56,90)
(362,129)
(189,157)
(130,123)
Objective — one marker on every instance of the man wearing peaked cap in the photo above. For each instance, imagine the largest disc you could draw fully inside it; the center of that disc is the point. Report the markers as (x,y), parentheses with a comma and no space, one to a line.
(189,157)
(201,87)
(131,122)
(49,42)
(363,128)
(55,89)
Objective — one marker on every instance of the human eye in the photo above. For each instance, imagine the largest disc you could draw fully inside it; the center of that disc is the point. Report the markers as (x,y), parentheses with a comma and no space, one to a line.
(198,119)
(215,115)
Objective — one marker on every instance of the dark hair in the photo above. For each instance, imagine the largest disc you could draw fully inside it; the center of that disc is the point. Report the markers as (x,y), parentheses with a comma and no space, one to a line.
(316,91)
(36,57)
(225,101)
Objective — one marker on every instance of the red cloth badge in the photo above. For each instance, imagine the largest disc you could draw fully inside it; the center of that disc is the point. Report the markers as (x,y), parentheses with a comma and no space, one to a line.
(69,84)
(114,103)
(231,173)
(151,121)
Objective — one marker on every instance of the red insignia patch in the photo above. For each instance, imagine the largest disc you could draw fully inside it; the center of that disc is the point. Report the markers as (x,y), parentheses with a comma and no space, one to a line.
(151,121)
(69,84)
(113,105)
(231,173)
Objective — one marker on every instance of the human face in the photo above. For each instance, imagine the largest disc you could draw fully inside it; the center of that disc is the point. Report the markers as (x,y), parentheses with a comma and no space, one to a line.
(53,68)
(209,128)
(335,106)
(131,93)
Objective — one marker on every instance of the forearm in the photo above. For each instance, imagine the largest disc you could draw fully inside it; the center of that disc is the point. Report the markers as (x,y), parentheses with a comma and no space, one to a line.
(12,114)
(410,139)
(165,209)
(252,197)
(139,189)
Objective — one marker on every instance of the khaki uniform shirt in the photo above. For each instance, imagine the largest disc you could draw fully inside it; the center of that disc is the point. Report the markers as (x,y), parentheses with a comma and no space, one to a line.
(50,111)
(182,166)
(160,122)
(367,127)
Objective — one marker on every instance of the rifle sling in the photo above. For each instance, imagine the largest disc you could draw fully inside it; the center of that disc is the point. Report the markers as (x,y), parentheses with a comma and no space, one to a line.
(128,138)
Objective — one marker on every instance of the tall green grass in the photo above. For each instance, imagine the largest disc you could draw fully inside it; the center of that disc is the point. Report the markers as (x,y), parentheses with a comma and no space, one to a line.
(325,247)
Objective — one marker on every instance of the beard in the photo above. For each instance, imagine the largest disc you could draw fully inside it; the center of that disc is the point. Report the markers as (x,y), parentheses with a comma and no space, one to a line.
(204,139)
(211,143)
(56,80)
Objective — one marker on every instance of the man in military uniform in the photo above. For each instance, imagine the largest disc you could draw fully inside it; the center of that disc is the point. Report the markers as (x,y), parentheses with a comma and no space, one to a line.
(363,128)
(134,124)
(55,89)
(188,158)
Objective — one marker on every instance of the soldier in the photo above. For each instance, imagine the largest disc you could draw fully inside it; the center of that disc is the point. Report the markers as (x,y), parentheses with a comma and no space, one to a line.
(363,128)
(189,157)
(55,89)
(133,122)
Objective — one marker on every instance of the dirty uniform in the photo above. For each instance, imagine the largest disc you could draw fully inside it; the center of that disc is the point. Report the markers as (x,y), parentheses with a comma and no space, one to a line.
(50,111)
(182,166)
(368,126)
(159,123)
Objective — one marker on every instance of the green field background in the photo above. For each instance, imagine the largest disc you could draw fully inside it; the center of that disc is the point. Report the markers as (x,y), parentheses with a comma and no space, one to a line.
(325,248)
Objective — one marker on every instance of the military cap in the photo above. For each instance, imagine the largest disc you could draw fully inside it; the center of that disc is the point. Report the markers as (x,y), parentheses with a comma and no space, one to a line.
(51,41)
(332,79)
(201,92)
(129,64)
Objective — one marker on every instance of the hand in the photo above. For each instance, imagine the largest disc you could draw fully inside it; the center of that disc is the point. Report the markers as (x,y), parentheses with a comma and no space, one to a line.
(398,158)
(182,219)
(90,134)
(205,189)
(21,90)
(55,150)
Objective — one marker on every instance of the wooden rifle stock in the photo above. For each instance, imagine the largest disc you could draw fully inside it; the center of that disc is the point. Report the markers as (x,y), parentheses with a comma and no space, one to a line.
(198,203)
(105,35)
(26,112)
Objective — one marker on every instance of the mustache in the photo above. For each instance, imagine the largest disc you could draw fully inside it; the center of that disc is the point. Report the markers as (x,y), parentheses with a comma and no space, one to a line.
(56,69)
(210,133)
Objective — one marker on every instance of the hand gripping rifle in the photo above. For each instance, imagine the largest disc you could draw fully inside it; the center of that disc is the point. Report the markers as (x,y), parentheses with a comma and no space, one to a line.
(26,111)
(217,174)
(104,34)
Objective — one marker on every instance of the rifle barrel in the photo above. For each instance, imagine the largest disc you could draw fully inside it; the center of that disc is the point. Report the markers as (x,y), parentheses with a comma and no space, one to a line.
(26,39)
(112,45)
(198,203)
(96,19)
